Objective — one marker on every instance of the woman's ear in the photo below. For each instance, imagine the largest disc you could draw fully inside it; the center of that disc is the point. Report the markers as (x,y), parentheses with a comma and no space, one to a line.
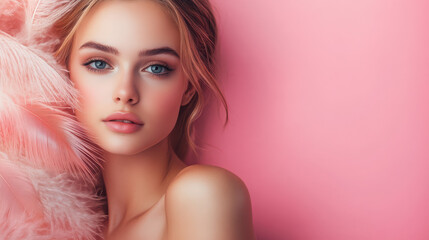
(187,96)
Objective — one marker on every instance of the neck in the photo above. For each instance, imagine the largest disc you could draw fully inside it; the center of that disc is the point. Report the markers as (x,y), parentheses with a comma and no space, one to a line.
(135,183)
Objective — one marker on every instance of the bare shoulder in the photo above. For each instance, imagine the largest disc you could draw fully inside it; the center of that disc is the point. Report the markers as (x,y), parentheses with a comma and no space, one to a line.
(207,185)
(208,202)
(200,179)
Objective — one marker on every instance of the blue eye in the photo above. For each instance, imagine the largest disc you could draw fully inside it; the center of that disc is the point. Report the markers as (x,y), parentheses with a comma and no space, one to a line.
(158,69)
(97,65)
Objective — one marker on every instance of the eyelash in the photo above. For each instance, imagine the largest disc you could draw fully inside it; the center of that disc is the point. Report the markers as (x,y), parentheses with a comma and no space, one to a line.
(87,65)
(94,69)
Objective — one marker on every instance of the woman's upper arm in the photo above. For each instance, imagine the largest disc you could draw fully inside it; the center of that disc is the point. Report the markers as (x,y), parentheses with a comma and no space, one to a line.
(208,203)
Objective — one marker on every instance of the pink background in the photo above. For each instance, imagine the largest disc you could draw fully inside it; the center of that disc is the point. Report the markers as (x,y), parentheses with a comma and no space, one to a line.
(329,116)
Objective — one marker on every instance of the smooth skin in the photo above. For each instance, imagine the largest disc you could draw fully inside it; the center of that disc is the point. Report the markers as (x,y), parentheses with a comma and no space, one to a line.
(151,193)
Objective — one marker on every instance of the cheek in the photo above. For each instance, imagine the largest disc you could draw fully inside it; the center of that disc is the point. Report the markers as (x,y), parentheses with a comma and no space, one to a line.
(165,106)
(90,97)
(85,102)
(90,113)
(89,105)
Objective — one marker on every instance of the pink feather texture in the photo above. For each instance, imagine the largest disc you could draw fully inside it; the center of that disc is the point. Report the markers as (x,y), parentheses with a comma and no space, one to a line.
(38,205)
(51,139)
(49,168)
(18,192)
(34,79)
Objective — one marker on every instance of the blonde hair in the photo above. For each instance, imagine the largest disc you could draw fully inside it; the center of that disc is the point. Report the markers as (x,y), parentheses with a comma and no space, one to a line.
(198,37)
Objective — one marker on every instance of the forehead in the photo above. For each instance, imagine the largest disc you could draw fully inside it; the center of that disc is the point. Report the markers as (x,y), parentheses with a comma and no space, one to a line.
(128,25)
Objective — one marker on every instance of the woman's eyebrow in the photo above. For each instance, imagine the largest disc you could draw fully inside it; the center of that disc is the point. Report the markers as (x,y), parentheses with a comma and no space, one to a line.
(100,47)
(114,51)
(161,50)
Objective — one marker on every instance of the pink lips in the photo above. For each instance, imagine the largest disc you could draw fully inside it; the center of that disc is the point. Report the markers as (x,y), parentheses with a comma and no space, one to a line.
(115,122)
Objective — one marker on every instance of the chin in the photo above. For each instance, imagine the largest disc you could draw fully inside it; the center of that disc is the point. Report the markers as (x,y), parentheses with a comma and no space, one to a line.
(121,147)
(126,147)
(115,150)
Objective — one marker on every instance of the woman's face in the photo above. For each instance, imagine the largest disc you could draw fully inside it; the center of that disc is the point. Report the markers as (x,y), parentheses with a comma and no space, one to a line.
(124,59)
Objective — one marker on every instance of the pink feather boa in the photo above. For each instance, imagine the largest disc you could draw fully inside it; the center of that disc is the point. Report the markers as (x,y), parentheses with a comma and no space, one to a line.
(49,170)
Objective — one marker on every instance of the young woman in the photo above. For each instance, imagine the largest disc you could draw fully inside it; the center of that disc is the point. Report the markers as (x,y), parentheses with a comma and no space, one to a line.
(140,67)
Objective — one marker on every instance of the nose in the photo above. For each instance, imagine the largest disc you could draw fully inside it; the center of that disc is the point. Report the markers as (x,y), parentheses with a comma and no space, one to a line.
(126,91)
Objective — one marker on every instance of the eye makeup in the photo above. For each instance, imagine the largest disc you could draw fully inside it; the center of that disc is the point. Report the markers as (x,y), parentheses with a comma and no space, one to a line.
(88,64)
(99,65)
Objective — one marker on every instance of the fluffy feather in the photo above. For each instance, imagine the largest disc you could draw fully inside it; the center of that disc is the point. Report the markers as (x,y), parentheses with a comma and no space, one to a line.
(18,194)
(48,166)
(40,90)
(43,14)
(30,78)
(31,21)
(12,16)
(51,139)
(71,209)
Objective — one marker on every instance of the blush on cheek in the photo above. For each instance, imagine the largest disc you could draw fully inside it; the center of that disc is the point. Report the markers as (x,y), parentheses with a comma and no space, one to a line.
(92,95)
(164,107)
(170,102)
(90,104)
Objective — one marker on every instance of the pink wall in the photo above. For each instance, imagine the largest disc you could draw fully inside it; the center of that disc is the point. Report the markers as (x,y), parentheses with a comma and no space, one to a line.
(329,116)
